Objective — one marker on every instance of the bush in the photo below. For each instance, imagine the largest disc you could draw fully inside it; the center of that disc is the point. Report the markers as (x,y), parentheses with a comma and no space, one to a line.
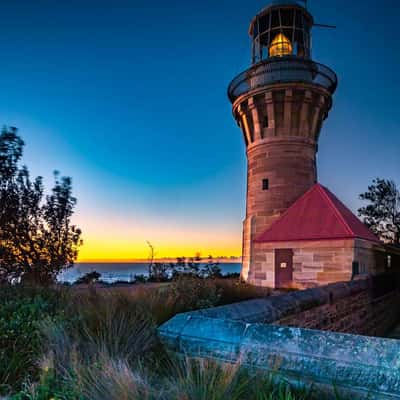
(193,293)
(48,388)
(140,278)
(21,310)
(234,291)
(90,277)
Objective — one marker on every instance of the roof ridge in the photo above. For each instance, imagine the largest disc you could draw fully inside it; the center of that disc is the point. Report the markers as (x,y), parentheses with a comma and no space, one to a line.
(324,192)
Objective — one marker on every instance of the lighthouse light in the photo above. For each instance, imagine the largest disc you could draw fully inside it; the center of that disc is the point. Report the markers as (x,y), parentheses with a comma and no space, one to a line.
(280,46)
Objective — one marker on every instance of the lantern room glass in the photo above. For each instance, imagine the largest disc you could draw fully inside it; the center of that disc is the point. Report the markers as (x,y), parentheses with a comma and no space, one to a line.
(280,31)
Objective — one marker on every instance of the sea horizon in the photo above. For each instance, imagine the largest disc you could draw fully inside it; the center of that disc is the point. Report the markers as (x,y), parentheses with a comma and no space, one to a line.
(220,260)
(125,271)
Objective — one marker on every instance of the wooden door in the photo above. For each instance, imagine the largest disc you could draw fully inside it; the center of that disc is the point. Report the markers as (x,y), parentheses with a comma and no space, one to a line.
(283,267)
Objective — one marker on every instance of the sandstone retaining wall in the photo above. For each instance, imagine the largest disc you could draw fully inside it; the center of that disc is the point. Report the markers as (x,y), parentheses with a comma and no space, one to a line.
(253,333)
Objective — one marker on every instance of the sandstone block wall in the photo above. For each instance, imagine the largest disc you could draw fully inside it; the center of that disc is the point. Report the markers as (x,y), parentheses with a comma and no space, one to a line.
(281,124)
(354,310)
(316,263)
(368,306)
(289,165)
(255,333)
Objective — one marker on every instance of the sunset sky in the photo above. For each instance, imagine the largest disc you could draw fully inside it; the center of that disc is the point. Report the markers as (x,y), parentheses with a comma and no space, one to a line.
(129,98)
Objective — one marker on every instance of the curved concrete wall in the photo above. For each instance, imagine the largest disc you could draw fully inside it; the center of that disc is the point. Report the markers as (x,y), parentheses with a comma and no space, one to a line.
(243,333)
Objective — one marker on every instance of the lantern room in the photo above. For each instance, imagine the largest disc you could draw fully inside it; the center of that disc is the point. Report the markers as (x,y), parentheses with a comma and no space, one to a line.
(281,30)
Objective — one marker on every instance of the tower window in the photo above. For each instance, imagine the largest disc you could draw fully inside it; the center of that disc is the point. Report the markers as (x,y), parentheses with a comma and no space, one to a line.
(265,121)
(265,184)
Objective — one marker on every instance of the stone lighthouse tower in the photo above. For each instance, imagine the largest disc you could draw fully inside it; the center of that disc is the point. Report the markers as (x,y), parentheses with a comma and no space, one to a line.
(280,104)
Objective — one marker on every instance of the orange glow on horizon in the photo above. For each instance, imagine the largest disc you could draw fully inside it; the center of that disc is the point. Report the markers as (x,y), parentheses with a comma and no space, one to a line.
(115,245)
(99,251)
(124,239)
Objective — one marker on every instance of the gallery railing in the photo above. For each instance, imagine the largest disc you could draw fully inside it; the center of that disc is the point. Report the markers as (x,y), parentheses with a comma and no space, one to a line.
(282,71)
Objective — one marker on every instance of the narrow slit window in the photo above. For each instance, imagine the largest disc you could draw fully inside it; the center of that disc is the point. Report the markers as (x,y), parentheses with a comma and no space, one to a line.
(265,184)
(265,121)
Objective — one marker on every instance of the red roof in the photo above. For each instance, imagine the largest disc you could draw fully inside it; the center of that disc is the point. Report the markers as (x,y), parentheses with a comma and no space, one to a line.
(317,215)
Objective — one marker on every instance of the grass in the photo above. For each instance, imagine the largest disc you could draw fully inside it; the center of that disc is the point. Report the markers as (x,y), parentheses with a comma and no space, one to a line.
(102,345)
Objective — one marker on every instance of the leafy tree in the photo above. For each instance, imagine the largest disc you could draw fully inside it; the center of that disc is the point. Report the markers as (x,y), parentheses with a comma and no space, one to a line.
(382,214)
(37,239)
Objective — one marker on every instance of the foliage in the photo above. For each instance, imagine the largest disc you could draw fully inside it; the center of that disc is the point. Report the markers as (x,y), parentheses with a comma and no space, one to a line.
(37,238)
(140,278)
(193,293)
(114,379)
(160,272)
(202,379)
(194,266)
(48,388)
(103,346)
(234,290)
(90,277)
(21,312)
(119,325)
(382,214)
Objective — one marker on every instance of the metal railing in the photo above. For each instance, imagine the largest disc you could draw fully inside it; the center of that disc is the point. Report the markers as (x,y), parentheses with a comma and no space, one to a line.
(282,71)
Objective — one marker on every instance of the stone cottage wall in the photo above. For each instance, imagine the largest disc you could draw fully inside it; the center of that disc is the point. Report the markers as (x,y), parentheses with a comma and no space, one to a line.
(370,256)
(314,262)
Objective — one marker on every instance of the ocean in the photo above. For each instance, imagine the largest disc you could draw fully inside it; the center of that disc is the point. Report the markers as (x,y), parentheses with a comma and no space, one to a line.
(123,272)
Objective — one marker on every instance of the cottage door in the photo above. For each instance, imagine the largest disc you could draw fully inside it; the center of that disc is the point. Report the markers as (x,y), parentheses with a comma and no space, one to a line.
(283,267)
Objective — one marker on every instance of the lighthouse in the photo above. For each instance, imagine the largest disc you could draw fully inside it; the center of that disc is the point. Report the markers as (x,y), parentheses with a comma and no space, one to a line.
(280,103)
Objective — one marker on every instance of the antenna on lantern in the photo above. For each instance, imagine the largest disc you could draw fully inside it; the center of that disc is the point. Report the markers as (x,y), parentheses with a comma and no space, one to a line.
(325,26)
(318,25)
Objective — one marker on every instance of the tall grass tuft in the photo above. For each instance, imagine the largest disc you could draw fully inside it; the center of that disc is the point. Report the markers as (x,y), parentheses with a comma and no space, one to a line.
(202,379)
(117,325)
(114,379)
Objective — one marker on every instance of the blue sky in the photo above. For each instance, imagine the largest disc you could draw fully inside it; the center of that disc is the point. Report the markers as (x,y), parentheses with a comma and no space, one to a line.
(129,98)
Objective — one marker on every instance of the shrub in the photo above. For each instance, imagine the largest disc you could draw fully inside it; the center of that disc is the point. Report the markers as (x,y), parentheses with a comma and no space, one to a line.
(21,310)
(193,293)
(90,277)
(233,291)
(140,278)
(48,388)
